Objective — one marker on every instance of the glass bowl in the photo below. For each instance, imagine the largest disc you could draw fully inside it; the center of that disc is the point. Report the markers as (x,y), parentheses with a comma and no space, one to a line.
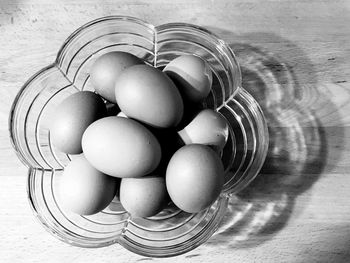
(172,231)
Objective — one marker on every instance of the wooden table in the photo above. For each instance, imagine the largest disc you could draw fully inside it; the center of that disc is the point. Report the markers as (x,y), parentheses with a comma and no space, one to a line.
(295,61)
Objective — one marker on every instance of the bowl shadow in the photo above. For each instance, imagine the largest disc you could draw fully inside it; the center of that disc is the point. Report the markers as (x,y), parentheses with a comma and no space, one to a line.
(284,83)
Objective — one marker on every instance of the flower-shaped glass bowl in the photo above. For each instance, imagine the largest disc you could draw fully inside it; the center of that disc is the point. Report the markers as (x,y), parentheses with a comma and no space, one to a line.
(172,231)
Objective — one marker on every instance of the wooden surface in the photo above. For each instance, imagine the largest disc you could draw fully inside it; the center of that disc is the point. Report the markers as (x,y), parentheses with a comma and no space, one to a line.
(295,59)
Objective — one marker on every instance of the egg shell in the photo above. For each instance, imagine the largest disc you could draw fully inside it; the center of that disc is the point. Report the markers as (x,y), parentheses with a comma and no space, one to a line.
(84,190)
(192,75)
(107,68)
(144,196)
(147,94)
(71,117)
(208,127)
(194,177)
(121,147)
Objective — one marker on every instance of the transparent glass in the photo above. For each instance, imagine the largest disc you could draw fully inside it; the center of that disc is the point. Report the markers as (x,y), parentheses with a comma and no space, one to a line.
(172,231)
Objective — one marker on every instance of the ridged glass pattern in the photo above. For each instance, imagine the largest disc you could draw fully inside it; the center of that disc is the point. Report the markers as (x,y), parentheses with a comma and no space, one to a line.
(172,231)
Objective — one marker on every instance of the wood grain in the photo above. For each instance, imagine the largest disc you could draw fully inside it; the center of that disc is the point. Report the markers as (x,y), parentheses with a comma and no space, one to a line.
(294,57)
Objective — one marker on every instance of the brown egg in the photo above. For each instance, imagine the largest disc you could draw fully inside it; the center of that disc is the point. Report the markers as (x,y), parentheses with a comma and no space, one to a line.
(194,177)
(107,69)
(121,147)
(84,190)
(148,95)
(144,196)
(72,117)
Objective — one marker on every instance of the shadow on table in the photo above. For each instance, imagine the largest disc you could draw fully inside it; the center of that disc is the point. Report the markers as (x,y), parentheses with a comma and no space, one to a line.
(285,85)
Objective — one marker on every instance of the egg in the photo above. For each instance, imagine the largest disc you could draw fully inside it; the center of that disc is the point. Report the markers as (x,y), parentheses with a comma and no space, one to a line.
(144,196)
(147,94)
(208,127)
(192,75)
(121,147)
(107,68)
(71,117)
(84,190)
(194,177)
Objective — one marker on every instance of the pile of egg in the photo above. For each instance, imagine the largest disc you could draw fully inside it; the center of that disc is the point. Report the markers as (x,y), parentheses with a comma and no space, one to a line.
(160,145)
